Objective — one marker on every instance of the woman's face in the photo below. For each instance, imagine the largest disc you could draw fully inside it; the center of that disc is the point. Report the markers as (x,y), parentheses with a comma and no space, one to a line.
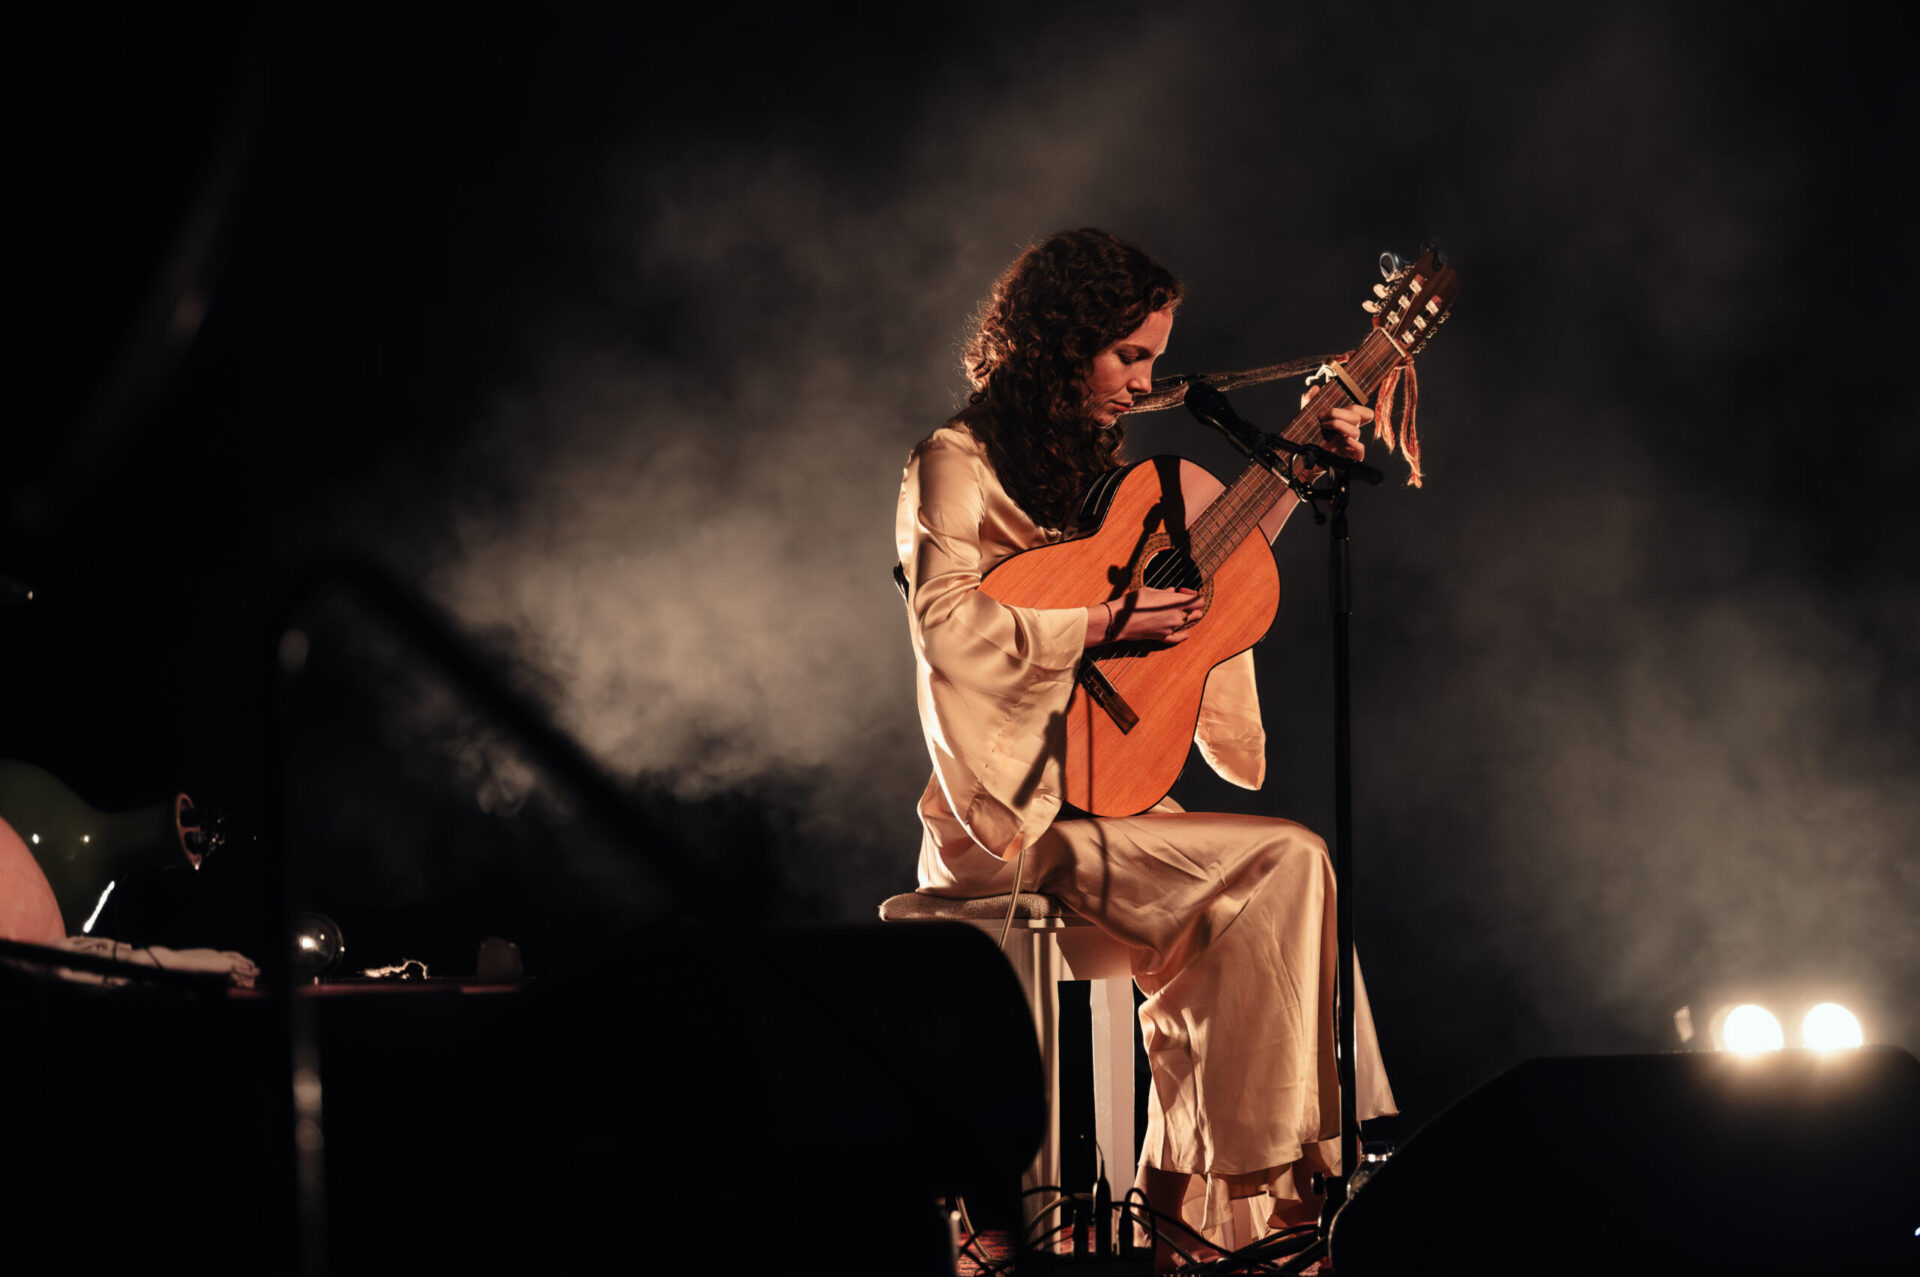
(1124,370)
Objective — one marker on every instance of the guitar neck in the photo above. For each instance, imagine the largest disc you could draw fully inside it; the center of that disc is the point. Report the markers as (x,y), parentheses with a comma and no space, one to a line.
(1235,513)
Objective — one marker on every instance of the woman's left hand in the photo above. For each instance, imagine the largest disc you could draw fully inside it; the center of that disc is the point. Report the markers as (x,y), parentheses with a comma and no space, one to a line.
(1340,433)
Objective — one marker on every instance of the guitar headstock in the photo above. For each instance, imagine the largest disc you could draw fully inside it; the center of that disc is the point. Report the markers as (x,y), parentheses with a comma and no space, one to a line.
(1415,299)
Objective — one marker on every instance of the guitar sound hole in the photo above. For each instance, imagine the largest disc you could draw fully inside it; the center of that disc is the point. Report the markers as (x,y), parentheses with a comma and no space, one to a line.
(1172,570)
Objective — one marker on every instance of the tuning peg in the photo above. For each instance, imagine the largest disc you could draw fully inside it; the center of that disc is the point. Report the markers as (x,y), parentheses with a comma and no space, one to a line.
(1379,290)
(1372,308)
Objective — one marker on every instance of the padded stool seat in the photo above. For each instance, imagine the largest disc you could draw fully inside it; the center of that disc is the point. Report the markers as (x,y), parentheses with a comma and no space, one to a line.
(919,906)
(1049,943)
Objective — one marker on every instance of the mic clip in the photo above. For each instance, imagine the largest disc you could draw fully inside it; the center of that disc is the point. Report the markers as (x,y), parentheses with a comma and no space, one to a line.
(1212,407)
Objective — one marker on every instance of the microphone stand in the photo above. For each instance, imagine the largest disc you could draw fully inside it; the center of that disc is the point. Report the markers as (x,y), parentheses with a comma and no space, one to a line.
(1211,407)
(1340,472)
(1346,979)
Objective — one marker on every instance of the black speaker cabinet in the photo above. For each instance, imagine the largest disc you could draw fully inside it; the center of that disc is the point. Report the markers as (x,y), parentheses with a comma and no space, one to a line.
(1704,1162)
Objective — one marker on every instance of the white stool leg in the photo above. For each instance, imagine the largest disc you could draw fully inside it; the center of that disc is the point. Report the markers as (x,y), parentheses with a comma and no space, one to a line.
(1035,957)
(1112,1000)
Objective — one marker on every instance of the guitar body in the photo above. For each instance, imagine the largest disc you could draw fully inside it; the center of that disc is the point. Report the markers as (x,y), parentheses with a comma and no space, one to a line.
(1140,538)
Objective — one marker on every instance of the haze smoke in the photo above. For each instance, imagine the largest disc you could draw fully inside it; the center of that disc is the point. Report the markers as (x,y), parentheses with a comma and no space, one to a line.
(697,551)
(1623,738)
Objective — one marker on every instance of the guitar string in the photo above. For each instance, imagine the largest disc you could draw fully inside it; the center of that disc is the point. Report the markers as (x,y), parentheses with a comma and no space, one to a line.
(1234,504)
(1253,500)
(1241,506)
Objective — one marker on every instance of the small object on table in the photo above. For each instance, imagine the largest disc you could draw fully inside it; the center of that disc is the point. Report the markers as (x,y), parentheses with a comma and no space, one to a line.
(498,960)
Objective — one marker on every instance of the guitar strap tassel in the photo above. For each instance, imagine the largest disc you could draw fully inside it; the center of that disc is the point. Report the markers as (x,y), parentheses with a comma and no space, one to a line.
(1409,437)
(1408,441)
(1383,408)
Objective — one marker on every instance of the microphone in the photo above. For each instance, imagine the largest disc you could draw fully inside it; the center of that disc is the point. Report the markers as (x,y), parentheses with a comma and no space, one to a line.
(1208,404)
(1211,408)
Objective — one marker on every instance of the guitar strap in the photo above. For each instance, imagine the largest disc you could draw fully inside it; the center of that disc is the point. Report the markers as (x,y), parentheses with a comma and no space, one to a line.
(1169,392)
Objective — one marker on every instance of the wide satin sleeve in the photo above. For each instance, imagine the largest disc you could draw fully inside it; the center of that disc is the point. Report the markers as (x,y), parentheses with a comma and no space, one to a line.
(993,681)
(1229,732)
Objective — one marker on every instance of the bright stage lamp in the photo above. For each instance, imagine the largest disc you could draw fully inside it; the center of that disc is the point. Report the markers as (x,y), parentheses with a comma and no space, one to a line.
(1830,1027)
(1751,1029)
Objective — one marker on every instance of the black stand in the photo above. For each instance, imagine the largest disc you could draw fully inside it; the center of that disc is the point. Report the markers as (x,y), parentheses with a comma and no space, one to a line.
(1340,472)
(1346,979)
(1211,407)
(1346,983)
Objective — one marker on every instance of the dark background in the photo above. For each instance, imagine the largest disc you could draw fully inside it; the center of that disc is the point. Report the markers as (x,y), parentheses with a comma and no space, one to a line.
(611,335)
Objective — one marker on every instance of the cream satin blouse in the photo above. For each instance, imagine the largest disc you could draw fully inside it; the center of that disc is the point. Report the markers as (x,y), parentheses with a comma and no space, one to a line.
(991,677)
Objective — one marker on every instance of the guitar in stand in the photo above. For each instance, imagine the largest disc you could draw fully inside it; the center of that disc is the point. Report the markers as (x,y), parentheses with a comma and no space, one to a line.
(83,852)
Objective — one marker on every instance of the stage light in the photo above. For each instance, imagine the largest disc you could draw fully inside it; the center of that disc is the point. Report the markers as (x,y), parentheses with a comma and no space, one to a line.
(1750,1018)
(1830,1027)
(1751,1029)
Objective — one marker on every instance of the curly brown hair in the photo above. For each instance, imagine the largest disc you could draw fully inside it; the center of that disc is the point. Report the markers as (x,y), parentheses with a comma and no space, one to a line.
(1057,306)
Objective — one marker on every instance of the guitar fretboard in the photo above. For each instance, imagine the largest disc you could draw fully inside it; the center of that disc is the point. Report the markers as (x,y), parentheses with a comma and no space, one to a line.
(1235,513)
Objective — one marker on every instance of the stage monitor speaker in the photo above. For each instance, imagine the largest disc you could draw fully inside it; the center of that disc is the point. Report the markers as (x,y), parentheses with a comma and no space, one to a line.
(1703,1162)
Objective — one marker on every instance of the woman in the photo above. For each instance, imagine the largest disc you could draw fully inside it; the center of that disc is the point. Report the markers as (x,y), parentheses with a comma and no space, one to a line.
(1230,918)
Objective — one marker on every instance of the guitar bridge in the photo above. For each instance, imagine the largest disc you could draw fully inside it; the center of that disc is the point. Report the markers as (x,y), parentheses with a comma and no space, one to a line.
(1108,697)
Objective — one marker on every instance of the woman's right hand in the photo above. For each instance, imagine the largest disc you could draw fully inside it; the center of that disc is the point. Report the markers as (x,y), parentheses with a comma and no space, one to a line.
(1148,615)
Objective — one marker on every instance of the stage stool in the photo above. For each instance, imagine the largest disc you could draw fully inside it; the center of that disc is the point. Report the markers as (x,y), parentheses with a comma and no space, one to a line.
(1047,944)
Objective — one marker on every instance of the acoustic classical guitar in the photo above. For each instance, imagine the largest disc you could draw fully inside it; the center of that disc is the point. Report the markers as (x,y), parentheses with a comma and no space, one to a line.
(82,852)
(1167,522)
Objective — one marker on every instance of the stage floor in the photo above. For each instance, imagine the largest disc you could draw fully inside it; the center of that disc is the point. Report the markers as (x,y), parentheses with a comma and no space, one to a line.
(996,1247)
